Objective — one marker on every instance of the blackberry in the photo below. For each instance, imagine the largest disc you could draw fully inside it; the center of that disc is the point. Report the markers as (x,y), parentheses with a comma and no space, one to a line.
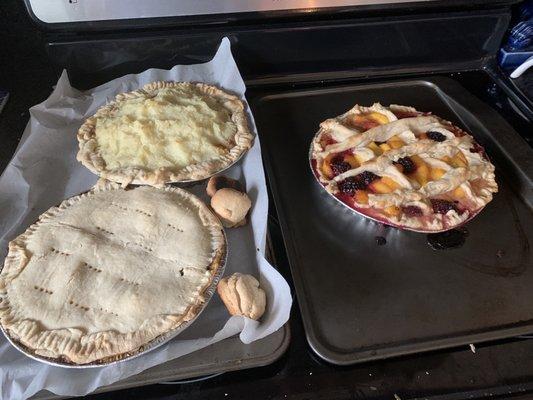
(412,211)
(339,166)
(366,178)
(348,186)
(358,182)
(407,164)
(436,136)
(442,206)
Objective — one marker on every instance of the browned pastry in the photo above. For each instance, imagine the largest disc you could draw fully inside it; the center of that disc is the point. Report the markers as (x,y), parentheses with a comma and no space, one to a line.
(231,206)
(242,295)
(220,182)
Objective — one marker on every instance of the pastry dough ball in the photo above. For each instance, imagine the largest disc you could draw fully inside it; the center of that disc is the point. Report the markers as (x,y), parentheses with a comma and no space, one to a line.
(220,182)
(242,295)
(231,206)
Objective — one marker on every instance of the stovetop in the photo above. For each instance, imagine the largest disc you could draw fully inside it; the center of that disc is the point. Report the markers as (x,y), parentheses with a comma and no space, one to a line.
(496,369)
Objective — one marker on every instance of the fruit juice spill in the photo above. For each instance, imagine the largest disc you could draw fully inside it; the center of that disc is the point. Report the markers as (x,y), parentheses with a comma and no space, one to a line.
(451,239)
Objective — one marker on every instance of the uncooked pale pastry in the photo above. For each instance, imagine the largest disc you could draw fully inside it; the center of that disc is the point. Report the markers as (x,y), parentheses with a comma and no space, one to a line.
(242,295)
(108,271)
(165,132)
(403,167)
(220,182)
(231,206)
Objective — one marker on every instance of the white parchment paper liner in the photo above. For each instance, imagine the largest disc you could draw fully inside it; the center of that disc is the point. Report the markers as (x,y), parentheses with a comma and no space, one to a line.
(44,171)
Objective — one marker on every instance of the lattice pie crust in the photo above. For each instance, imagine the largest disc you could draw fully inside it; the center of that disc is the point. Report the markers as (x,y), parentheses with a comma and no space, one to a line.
(405,168)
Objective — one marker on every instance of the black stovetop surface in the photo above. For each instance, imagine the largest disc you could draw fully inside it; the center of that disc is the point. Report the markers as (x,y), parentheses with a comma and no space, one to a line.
(495,370)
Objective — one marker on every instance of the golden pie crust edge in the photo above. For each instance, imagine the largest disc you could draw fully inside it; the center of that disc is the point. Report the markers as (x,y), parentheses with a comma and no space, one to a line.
(112,346)
(89,156)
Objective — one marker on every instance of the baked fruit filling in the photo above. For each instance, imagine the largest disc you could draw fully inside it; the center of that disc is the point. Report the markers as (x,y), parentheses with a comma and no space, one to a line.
(403,167)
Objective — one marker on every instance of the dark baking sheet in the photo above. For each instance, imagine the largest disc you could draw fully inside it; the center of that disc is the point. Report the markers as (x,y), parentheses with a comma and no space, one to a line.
(361,301)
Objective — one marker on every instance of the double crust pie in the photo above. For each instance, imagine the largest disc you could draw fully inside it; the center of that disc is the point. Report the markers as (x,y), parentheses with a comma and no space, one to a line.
(107,272)
(403,167)
(165,132)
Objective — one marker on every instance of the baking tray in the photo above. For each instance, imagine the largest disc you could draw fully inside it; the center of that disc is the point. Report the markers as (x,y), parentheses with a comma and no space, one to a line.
(361,301)
(228,355)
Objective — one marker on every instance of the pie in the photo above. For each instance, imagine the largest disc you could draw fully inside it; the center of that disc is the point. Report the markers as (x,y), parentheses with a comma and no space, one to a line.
(165,132)
(107,272)
(242,295)
(403,167)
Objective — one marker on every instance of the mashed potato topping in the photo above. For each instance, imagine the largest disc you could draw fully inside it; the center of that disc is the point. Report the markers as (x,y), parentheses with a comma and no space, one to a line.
(177,127)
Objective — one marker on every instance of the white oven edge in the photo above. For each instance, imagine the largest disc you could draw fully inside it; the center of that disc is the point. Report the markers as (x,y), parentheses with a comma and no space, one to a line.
(64,11)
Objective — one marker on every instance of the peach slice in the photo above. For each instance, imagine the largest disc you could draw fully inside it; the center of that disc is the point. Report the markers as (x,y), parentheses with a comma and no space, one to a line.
(352,160)
(329,170)
(326,166)
(359,159)
(390,182)
(421,173)
(375,148)
(368,121)
(392,211)
(385,147)
(459,160)
(395,142)
(363,122)
(378,186)
(378,117)
(361,197)
(459,193)
(417,160)
(436,173)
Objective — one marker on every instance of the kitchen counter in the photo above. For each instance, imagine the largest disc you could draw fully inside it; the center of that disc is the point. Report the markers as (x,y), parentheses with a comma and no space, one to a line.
(496,369)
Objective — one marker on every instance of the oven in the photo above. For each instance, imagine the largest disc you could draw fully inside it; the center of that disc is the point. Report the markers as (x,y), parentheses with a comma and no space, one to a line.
(399,320)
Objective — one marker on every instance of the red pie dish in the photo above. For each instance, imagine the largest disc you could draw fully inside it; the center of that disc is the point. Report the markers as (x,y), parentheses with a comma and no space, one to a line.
(403,167)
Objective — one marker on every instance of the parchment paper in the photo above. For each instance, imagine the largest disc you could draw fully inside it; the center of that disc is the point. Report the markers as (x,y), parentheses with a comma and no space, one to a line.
(44,171)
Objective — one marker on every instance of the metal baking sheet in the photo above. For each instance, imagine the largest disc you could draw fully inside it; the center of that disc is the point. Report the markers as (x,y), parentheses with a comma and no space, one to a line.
(228,355)
(361,301)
